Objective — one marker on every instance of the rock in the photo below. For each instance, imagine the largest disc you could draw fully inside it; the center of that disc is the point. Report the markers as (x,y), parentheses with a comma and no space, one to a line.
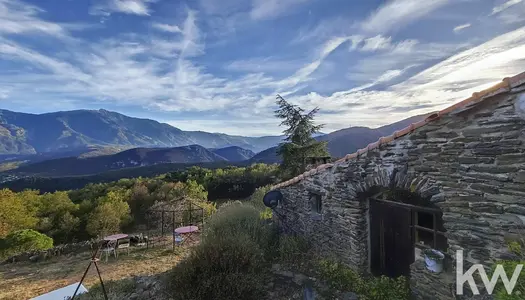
(299,278)
(286,274)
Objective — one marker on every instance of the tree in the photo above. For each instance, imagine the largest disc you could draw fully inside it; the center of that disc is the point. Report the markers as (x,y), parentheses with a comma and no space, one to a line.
(110,215)
(299,143)
(14,213)
(56,213)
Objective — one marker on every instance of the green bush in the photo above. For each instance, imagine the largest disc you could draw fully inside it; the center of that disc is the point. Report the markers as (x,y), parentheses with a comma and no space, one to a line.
(234,218)
(22,241)
(292,249)
(519,290)
(228,267)
(500,293)
(231,262)
(256,199)
(343,278)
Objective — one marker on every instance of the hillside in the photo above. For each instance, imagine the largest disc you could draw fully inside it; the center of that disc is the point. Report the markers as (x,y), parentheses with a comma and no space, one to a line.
(268,156)
(137,157)
(350,139)
(234,153)
(22,133)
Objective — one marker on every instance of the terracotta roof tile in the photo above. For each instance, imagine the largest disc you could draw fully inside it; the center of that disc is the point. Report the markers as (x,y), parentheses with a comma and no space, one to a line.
(504,86)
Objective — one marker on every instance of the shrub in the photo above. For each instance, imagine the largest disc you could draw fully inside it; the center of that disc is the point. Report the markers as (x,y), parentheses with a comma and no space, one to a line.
(292,249)
(343,278)
(231,261)
(235,218)
(516,247)
(385,288)
(22,241)
(519,289)
(227,267)
(256,199)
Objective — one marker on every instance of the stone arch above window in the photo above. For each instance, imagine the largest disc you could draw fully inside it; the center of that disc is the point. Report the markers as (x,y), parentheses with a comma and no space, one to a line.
(363,185)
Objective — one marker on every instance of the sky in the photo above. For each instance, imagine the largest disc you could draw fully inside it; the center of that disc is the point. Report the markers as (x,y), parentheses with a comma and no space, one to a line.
(217,65)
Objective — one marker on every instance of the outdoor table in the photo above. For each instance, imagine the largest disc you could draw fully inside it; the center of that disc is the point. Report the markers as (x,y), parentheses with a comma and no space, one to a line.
(116,237)
(187,231)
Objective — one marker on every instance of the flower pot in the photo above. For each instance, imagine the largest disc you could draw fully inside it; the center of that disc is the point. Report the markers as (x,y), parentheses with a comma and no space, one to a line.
(434,260)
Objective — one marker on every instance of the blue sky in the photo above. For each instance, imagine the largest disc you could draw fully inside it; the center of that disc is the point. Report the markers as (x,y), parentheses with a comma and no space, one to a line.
(217,65)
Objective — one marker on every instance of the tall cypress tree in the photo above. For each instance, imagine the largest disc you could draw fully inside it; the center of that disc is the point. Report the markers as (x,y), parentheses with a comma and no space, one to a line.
(299,143)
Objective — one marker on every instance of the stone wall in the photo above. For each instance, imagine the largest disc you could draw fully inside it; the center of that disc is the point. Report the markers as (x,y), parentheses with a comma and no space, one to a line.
(39,255)
(471,163)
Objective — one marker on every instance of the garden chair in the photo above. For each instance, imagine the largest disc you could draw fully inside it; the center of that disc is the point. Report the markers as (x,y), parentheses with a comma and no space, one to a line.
(109,247)
(123,244)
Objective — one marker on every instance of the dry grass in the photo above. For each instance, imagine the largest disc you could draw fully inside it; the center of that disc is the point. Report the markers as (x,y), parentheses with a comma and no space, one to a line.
(26,280)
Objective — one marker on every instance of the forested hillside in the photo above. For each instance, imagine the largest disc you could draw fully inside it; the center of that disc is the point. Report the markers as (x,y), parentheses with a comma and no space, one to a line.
(96,209)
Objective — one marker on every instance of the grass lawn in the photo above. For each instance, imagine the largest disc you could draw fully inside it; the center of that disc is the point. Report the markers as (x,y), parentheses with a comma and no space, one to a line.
(25,280)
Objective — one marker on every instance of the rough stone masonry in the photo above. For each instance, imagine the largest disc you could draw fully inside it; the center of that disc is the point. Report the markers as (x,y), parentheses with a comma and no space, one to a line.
(470,162)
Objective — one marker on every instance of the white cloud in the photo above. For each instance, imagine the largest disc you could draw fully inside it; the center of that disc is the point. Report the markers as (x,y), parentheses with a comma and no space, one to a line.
(504,6)
(17,17)
(192,44)
(510,13)
(166,27)
(398,13)
(269,9)
(303,73)
(401,55)
(492,61)
(461,27)
(434,88)
(387,76)
(377,43)
(260,126)
(132,7)
(328,27)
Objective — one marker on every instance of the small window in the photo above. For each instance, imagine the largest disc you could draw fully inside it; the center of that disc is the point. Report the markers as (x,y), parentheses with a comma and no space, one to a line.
(429,230)
(316,203)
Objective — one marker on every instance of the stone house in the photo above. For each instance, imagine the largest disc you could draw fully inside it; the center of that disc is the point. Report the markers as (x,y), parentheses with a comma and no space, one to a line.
(454,181)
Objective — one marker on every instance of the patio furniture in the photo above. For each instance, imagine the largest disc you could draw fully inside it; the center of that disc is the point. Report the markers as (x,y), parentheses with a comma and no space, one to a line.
(123,244)
(112,244)
(186,233)
(109,247)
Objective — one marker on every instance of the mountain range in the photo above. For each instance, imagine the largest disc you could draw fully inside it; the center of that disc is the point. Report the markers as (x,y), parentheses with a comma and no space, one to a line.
(137,157)
(86,142)
(23,134)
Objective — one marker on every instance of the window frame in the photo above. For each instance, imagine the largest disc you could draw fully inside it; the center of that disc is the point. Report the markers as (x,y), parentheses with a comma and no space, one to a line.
(315,203)
(414,210)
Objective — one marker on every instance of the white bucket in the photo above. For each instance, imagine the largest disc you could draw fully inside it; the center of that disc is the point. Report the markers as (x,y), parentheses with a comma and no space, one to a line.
(435,265)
